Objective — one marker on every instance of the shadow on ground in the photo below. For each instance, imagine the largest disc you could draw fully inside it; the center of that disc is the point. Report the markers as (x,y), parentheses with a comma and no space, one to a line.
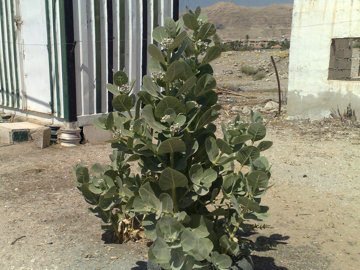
(140,266)
(262,244)
(261,263)
(266,263)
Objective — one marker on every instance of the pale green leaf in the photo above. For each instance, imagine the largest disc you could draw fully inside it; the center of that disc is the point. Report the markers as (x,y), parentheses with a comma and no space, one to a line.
(172,179)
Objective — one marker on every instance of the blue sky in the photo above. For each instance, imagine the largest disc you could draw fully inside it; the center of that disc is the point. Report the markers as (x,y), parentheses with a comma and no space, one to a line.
(202,3)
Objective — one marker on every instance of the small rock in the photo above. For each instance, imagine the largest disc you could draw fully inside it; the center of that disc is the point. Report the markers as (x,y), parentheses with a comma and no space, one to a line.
(271,105)
(257,108)
(228,72)
(246,110)
(236,109)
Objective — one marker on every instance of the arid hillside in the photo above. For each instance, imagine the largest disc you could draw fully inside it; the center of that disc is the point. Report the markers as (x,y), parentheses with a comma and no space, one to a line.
(235,22)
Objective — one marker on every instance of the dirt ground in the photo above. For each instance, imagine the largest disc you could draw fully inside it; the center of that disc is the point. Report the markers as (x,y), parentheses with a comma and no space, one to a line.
(313,221)
(228,70)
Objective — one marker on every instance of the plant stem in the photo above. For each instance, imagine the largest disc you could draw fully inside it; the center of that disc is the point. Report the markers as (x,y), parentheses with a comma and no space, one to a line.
(173,190)
(173,195)
(172,162)
(168,58)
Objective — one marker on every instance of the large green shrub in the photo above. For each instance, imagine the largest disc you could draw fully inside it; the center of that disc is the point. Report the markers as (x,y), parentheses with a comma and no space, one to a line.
(191,193)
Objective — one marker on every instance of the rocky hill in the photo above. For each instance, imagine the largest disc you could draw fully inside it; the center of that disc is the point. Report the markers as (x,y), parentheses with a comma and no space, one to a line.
(236,22)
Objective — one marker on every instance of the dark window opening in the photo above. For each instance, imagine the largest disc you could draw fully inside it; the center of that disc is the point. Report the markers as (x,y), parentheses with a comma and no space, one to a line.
(344,59)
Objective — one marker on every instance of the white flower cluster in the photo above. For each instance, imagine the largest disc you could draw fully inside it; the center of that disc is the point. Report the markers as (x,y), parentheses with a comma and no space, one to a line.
(165,118)
(117,134)
(157,75)
(202,45)
(200,22)
(234,125)
(166,43)
(175,128)
(124,89)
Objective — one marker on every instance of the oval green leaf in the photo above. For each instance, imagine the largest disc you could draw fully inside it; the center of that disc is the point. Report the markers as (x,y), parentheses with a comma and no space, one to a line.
(247,154)
(258,179)
(169,103)
(150,87)
(257,131)
(148,115)
(190,21)
(159,33)
(171,179)
(172,145)
(212,149)
(122,103)
(156,53)
(211,54)
(264,145)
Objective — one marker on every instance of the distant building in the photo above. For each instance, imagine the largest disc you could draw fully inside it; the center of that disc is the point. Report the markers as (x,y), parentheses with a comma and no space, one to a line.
(278,46)
(253,44)
(324,70)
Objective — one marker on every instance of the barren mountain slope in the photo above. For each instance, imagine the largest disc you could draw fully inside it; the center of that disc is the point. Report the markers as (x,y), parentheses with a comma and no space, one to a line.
(235,22)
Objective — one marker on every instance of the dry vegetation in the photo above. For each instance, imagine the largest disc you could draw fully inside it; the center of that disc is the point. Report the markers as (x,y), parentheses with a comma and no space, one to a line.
(235,22)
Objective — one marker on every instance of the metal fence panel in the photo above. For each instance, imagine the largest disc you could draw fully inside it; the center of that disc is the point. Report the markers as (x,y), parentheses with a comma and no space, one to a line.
(109,35)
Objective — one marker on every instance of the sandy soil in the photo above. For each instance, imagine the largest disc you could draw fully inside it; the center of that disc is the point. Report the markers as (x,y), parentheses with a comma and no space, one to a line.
(313,223)
(228,70)
(314,215)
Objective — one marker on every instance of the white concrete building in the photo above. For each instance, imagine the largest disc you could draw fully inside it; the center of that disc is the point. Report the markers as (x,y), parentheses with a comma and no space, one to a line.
(57,56)
(324,58)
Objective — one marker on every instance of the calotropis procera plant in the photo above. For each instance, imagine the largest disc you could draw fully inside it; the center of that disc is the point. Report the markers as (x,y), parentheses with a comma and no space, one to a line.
(192,194)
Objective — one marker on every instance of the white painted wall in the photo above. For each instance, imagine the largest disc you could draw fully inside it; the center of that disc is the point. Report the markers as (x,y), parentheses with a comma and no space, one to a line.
(39,75)
(35,56)
(315,23)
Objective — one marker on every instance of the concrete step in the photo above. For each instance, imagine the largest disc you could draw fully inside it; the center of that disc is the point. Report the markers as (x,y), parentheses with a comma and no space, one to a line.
(19,132)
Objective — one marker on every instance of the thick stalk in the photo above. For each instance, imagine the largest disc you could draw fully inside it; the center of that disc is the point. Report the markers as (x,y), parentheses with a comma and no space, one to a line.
(172,162)
(173,190)
(173,195)
(168,59)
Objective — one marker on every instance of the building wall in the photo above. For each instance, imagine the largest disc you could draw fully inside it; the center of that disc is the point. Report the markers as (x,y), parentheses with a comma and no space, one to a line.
(10,84)
(56,56)
(311,94)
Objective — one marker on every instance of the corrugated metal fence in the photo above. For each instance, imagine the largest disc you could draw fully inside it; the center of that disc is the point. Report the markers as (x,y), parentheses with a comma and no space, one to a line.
(9,79)
(83,42)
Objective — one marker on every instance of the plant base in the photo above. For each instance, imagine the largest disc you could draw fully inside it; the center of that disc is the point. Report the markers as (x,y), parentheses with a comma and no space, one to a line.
(153,266)
(245,263)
